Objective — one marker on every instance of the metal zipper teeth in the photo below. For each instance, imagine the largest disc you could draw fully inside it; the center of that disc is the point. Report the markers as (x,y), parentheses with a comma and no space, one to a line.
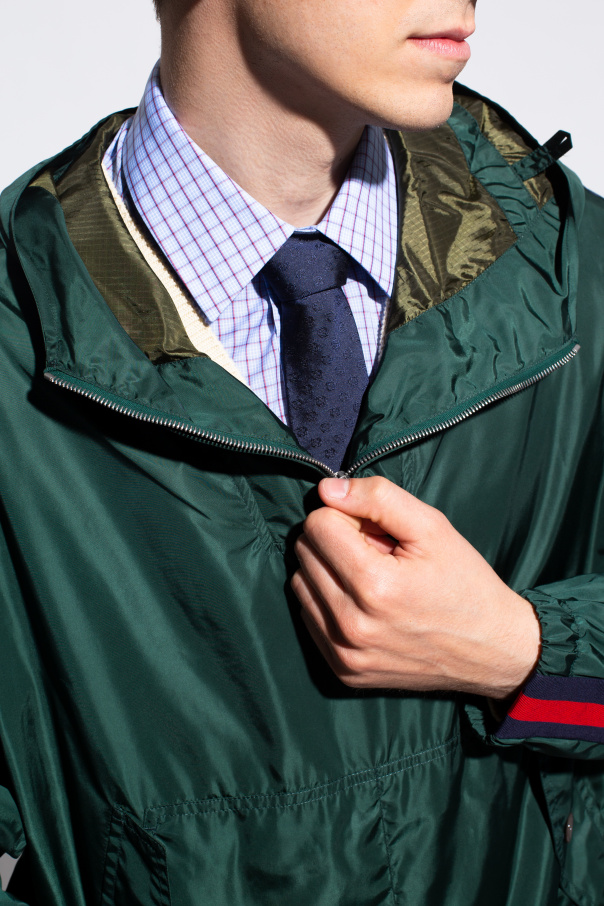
(172,423)
(471,410)
(263,449)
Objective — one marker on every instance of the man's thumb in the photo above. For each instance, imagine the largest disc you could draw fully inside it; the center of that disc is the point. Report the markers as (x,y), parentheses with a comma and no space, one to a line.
(378,500)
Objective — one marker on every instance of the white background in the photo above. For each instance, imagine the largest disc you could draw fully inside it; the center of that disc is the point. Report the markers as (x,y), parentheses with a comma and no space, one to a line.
(64,64)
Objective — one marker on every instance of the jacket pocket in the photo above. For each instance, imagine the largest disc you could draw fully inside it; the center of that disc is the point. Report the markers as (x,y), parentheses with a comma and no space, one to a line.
(136,873)
(583,835)
(321,846)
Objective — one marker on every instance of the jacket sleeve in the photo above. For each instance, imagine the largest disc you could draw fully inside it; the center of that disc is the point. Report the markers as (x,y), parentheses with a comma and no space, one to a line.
(12,837)
(7,900)
(560,710)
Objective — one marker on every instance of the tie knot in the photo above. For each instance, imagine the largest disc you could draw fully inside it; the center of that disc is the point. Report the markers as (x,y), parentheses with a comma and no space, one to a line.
(306,263)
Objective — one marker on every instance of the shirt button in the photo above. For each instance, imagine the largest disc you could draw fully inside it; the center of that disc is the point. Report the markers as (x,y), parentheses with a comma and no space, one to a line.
(568,829)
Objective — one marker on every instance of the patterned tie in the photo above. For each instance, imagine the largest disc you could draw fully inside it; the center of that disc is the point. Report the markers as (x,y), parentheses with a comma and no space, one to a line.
(321,353)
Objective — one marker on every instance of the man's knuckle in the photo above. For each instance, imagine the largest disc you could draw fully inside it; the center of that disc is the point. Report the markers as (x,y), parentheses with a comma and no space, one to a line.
(438,523)
(355,682)
(381,488)
(352,628)
(313,522)
(363,593)
(353,661)
(300,546)
(369,582)
(373,590)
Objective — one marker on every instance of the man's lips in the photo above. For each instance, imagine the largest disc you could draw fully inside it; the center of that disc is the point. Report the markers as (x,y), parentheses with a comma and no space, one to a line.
(447,43)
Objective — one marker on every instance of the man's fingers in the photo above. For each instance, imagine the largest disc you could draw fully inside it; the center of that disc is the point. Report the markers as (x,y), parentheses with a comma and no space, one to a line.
(341,653)
(313,609)
(383,503)
(335,556)
(322,584)
(318,620)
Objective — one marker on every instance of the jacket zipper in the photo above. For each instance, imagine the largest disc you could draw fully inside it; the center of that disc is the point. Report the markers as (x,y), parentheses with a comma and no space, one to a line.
(249,447)
(466,413)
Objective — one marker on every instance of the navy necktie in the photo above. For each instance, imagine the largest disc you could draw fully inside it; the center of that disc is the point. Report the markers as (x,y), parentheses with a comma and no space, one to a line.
(321,352)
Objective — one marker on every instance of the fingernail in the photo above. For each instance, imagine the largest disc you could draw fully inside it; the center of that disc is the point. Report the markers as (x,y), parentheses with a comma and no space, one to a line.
(336,487)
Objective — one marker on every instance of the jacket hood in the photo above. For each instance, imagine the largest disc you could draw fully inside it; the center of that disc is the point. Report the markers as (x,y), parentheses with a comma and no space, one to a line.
(486,216)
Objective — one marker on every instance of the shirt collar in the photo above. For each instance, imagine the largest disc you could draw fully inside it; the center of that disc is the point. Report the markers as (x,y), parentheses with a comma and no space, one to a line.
(216,236)
(363,216)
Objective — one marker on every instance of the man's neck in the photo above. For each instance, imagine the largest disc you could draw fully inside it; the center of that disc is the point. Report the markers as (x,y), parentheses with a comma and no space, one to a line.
(283,156)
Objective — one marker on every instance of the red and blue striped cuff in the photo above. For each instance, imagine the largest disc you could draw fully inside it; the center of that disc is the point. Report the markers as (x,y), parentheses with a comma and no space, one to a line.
(557,707)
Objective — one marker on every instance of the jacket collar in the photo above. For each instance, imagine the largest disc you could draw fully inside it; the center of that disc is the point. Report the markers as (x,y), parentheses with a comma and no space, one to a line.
(484,294)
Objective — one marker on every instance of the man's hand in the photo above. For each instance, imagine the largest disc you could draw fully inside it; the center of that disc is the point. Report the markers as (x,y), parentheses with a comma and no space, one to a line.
(395,598)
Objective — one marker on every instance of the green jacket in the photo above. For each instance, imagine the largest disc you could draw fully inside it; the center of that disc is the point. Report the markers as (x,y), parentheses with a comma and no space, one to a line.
(168,732)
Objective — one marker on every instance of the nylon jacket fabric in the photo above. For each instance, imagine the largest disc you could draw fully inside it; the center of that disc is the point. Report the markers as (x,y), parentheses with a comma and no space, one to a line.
(168,732)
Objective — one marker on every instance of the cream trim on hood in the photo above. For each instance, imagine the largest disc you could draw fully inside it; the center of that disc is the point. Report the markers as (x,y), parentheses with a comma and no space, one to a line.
(199,332)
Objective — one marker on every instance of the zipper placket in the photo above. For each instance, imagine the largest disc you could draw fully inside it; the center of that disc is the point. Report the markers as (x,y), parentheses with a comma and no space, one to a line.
(264,449)
(175,424)
(466,413)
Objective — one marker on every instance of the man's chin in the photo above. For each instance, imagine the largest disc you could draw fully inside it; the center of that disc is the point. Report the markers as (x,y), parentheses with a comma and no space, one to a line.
(417,116)
(427,119)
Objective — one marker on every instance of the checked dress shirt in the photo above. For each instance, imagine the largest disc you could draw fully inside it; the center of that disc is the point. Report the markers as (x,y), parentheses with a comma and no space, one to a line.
(217,237)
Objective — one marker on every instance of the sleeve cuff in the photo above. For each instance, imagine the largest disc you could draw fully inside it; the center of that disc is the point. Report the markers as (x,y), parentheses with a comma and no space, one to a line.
(559,707)
(553,703)
(562,632)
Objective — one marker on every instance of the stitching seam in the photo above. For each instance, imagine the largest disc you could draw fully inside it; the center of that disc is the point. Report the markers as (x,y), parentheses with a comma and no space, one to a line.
(371,774)
(309,789)
(264,533)
(380,787)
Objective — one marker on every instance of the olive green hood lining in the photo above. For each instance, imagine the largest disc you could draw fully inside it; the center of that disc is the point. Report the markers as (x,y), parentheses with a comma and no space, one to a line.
(116,265)
(143,293)
(451,229)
